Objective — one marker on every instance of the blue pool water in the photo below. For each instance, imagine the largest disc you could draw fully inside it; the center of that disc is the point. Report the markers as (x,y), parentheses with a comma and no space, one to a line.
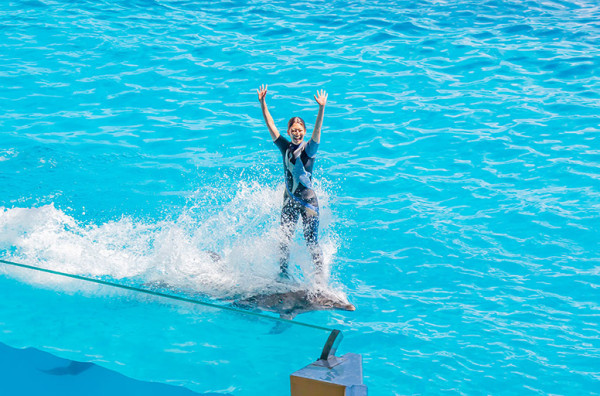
(458,174)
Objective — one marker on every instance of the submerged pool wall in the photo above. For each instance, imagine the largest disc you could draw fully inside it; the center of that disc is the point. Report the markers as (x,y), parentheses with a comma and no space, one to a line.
(33,372)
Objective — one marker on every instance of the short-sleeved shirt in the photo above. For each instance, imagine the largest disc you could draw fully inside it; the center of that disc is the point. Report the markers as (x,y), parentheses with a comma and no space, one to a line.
(298,174)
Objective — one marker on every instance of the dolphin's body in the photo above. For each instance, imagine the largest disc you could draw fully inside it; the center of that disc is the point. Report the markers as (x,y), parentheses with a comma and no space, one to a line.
(287,304)
(292,303)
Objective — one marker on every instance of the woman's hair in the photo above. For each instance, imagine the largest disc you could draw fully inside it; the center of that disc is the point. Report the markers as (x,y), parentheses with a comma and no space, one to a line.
(294,120)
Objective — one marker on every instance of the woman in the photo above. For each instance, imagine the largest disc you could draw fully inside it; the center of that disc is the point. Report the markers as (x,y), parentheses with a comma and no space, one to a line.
(299,198)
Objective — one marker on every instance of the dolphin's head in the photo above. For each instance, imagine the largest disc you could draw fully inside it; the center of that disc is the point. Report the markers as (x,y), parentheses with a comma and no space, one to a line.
(333,302)
(345,306)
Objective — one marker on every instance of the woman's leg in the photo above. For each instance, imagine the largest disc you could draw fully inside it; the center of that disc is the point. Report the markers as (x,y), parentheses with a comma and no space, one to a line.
(289,219)
(310,221)
(311,234)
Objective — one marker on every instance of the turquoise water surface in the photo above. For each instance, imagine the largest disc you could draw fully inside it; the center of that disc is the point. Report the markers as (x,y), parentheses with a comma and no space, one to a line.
(458,175)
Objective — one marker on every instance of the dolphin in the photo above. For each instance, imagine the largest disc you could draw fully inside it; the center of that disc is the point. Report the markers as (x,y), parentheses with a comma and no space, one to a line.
(292,303)
(286,304)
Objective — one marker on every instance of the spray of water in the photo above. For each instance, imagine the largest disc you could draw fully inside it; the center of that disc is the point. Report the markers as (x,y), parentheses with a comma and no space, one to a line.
(177,252)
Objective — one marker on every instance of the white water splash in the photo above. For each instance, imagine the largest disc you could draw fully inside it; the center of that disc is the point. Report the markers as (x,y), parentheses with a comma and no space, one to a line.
(176,252)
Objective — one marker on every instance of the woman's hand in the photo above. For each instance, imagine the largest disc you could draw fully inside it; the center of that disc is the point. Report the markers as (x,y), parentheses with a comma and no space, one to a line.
(262,93)
(322,98)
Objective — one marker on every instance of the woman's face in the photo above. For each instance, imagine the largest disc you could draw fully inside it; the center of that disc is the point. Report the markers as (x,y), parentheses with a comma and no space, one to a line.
(297,132)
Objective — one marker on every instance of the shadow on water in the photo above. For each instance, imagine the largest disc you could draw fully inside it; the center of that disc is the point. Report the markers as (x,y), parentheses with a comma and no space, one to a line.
(74,368)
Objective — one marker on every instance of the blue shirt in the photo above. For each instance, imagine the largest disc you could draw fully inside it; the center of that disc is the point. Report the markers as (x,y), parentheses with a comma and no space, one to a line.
(298,162)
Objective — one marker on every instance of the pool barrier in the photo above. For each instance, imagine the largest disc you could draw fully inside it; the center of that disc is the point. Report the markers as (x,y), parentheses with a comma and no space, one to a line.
(330,375)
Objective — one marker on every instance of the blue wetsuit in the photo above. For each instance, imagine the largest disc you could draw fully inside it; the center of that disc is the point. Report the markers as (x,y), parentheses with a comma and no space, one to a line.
(299,199)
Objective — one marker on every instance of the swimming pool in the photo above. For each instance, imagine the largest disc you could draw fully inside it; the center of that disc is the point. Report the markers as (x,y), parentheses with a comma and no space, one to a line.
(457,174)
(150,337)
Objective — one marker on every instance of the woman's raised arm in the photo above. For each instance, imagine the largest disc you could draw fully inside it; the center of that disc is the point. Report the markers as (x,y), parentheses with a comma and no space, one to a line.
(262,98)
(321,100)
